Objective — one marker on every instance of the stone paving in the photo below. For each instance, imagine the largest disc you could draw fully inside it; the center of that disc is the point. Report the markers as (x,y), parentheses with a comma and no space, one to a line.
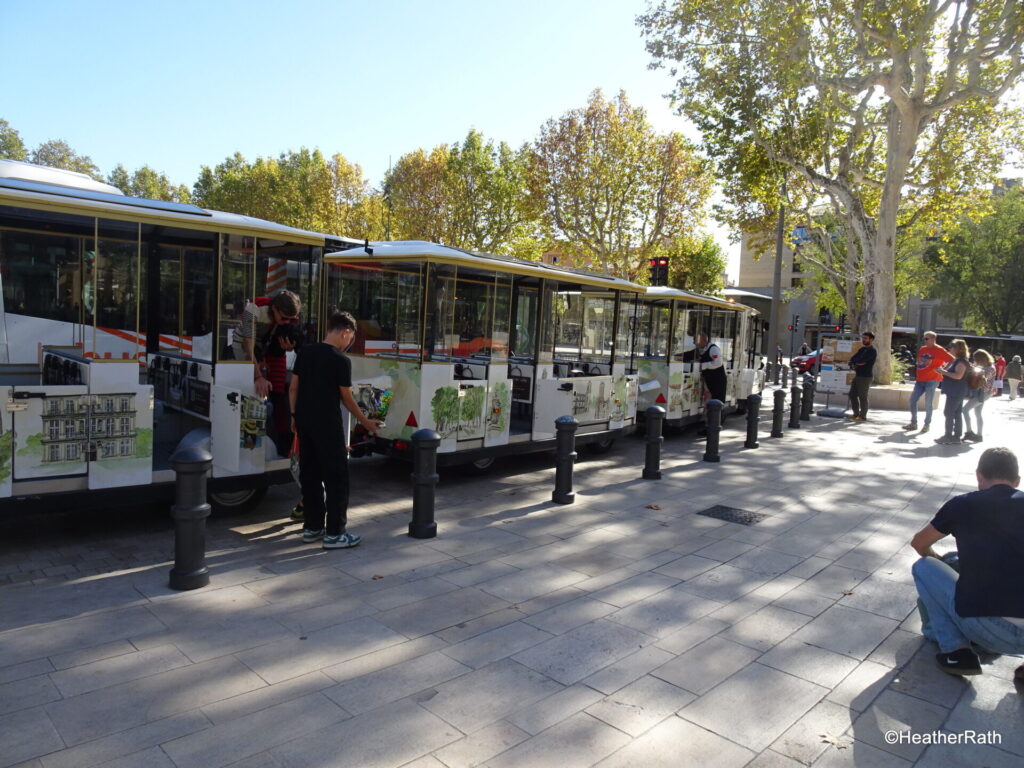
(623,630)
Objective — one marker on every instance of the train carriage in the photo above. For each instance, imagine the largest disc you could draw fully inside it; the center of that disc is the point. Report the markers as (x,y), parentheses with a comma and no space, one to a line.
(486,350)
(665,357)
(118,336)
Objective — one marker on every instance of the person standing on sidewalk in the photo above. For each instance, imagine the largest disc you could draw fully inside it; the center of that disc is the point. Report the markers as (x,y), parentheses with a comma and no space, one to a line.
(984,603)
(863,364)
(321,384)
(1013,376)
(1000,366)
(979,389)
(712,372)
(930,357)
(954,387)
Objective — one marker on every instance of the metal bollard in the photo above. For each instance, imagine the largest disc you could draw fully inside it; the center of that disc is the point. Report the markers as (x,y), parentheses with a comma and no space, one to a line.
(778,373)
(652,458)
(714,409)
(778,412)
(190,510)
(785,376)
(753,417)
(807,406)
(565,457)
(794,407)
(424,480)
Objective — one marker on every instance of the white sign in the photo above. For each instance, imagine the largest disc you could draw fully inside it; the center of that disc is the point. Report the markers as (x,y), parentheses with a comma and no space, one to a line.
(844,345)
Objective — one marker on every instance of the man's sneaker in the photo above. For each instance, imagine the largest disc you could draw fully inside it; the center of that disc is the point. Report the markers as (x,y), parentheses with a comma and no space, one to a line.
(298,514)
(925,428)
(972,437)
(947,440)
(857,418)
(962,661)
(911,426)
(341,541)
(308,535)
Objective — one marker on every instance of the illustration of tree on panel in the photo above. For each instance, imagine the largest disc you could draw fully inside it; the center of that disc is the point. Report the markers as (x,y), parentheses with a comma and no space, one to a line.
(444,406)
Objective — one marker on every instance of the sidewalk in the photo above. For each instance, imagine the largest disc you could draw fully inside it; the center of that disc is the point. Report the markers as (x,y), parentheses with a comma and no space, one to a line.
(623,630)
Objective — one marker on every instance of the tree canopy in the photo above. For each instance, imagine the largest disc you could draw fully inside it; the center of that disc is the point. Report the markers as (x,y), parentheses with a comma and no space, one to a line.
(11,145)
(59,154)
(471,195)
(615,192)
(863,106)
(148,183)
(979,272)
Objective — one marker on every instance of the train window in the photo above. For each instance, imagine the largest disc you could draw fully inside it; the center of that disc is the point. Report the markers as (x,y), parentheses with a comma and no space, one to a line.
(385,300)
(682,338)
(625,333)
(598,327)
(237,286)
(117,288)
(567,321)
(473,313)
(653,333)
(43,278)
(524,330)
(500,332)
(439,340)
(548,331)
(286,266)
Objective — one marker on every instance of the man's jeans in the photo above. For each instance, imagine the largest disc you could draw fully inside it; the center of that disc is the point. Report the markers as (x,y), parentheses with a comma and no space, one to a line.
(936,588)
(926,388)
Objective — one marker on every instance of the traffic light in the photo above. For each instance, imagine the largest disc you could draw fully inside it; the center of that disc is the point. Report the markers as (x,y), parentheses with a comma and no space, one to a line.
(789,327)
(837,328)
(659,270)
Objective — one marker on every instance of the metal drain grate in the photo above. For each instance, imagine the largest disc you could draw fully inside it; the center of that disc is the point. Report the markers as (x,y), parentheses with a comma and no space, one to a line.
(733,515)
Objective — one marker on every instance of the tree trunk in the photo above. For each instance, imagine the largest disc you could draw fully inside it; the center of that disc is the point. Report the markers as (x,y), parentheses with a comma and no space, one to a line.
(879,308)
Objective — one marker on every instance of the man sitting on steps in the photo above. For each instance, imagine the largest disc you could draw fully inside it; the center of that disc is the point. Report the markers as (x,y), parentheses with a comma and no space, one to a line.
(984,604)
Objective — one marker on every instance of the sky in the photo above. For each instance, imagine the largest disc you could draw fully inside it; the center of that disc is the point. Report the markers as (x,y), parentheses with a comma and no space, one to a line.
(179,85)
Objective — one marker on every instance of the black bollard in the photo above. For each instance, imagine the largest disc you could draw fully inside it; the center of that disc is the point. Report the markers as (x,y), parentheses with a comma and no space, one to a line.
(565,457)
(794,407)
(424,480)
(778,373)
(753,416)
(655,418)
(785,377)
(778,412)
(714,411)
(807,406)
(190,510)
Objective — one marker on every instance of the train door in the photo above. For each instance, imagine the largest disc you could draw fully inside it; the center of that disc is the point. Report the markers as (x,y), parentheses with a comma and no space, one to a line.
(522,355)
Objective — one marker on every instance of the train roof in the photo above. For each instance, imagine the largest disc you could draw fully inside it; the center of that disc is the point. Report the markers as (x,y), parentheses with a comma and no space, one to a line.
(35,186)
(664,292)
(405,250)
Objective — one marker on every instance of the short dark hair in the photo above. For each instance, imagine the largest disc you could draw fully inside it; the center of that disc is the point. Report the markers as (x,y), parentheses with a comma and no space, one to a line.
(869,334)
(998,464)
(341,321)
(287,303)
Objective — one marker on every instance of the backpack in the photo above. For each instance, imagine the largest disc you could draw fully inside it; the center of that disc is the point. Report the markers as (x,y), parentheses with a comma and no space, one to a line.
(975,378)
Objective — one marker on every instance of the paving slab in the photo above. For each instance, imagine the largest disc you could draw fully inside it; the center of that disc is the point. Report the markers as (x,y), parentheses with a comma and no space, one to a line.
(578,742)
(583,651)
(675,742)
(754,706)
(641,705)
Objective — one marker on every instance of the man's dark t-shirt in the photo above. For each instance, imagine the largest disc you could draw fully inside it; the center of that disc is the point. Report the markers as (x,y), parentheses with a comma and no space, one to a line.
(867,356)
(989,530)
(321,369)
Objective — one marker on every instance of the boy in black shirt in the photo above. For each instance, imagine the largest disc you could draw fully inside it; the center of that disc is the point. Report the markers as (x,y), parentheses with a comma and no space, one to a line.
(984,604)
(321,383)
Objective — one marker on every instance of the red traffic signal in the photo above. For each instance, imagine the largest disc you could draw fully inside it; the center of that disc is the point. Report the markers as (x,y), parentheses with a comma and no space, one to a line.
(837,329)
(789,327)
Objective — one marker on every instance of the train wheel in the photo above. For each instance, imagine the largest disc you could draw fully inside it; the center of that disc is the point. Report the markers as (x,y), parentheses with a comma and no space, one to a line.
(480,466)
(601,446)
(235,502)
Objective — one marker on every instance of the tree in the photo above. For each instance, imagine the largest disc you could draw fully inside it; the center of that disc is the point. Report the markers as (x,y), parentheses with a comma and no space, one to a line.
(473,195)
(697,265)
(616,193)
(298,188)
(866,105)
(11,145)
(59,154)
(148,183)
(980,271)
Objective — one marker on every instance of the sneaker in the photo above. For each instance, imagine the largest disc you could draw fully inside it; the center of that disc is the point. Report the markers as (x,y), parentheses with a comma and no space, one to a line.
(309,536)
(911,426)
(974,437)
(947,440)
(341,541)
(925,428)
(962,661)
(298,514)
